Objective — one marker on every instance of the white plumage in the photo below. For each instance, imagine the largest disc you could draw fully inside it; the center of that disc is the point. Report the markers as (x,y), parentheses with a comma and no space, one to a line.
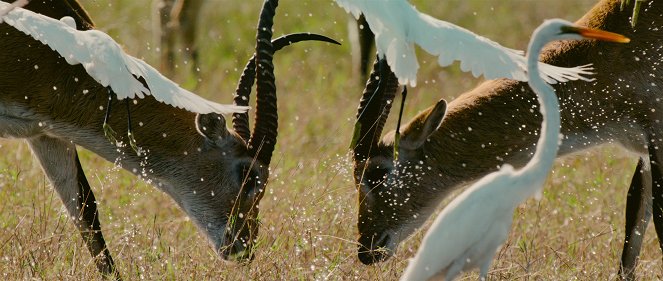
(106,62)
(398,25)
(475,224)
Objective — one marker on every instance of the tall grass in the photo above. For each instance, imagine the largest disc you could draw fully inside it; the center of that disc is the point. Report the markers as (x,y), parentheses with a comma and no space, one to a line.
(309,212)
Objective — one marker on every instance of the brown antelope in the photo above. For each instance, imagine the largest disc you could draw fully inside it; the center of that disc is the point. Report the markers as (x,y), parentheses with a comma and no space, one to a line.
(438,153)
(215,175)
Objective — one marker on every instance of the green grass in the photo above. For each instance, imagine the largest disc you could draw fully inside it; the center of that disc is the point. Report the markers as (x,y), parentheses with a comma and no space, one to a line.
(309,212)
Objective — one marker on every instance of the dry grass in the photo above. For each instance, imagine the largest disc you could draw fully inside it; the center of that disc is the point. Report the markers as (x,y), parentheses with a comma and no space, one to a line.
(309,212)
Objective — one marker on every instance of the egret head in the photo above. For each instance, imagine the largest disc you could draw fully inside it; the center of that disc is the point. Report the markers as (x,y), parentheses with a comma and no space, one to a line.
(558,29)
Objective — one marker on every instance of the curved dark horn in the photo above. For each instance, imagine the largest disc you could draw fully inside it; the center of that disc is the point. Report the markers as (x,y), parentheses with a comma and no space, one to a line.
(374,109)
(262,141)
(242,95)
(243,92)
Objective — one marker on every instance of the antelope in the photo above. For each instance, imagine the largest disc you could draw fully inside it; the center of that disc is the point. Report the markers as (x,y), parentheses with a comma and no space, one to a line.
(215,175)
(439,154)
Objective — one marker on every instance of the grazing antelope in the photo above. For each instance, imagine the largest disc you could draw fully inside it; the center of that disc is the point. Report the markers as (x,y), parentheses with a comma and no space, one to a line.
(441,148)
(215,175)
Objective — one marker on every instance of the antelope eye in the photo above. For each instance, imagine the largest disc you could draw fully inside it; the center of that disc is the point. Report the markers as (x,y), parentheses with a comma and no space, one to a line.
(375,176)
(249,180)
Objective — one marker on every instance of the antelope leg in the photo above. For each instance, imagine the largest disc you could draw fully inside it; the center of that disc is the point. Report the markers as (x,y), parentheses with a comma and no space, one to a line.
(657,186)
(638,214)
(60,163)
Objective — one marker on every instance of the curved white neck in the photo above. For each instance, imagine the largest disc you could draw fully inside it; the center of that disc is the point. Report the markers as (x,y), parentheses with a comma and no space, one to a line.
(548,144)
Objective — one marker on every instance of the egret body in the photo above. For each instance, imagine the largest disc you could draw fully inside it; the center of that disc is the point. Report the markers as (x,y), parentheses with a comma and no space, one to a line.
(106,62)
(398,25)
(468,232)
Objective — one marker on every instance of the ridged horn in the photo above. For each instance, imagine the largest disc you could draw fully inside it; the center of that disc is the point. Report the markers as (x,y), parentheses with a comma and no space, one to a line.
(243,92)
(373,110)
(263,140)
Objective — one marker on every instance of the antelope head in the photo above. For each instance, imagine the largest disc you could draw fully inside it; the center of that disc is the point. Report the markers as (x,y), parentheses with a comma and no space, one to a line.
(386,207)
(244,156)
(218,181)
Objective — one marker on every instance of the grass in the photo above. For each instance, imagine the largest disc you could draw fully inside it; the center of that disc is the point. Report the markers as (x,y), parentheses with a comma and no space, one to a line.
(309,211)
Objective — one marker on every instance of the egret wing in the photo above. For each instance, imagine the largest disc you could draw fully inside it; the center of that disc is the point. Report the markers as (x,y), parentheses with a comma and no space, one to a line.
(398,26)
(111,66)
(99,54)
(107,63)
(168,92)
(56,34)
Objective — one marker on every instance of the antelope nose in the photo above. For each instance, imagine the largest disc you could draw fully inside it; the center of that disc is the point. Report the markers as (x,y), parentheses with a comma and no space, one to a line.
(372,251)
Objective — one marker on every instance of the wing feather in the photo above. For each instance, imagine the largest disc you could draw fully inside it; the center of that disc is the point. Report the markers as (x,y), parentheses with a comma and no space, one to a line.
(398,26)
(106,62)
(168,92)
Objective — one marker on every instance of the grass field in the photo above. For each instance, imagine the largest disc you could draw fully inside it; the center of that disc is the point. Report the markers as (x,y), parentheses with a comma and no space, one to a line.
(309,211)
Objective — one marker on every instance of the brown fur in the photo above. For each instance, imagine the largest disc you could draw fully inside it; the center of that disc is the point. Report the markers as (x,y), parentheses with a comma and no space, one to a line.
(207,170)
(498,122)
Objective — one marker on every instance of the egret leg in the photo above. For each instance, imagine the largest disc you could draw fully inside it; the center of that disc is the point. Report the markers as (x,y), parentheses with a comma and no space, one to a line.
(623,4)
(108,131)
(130,134)
(397,138)
(638,213)
(636,12)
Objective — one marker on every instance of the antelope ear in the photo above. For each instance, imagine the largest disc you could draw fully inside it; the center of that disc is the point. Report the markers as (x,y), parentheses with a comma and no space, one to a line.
(212,126)
(417,132)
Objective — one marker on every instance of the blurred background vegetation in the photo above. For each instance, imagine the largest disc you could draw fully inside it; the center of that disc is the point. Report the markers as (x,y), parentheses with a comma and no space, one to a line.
(309,212)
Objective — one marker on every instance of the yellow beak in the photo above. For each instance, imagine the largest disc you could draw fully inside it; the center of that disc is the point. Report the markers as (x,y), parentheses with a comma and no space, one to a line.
(599,34)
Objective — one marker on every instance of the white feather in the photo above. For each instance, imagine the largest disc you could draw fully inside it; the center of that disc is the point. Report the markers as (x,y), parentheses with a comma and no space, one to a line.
(398,25)
(468,232)
(106,62)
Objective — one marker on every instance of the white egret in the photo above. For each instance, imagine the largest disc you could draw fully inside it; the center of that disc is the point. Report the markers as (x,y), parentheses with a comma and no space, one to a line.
(398,25)
(106,62)
(475,224)
(8,8)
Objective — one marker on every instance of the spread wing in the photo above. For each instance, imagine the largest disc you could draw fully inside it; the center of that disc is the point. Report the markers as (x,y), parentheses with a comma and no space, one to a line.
(168,92)
(398,26)
(106,62)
